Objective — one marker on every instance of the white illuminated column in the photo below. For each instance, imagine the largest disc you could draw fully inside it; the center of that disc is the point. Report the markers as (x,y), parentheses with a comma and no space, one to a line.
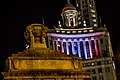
(90,49)
(67,48)
(69,21)
(74,21)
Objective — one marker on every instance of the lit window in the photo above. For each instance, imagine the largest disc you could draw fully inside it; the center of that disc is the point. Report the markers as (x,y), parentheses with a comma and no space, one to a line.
(73,31)
(93,15)
(85,31)
(94,20)
(79,31)
(92,63)
(57,31)
(92,10)
(63,31)
(90,5)
(95,25)
(79,23)
(68,31)
(90,30)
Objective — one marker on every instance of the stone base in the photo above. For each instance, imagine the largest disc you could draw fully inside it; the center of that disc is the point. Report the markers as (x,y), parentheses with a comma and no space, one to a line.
(36,45)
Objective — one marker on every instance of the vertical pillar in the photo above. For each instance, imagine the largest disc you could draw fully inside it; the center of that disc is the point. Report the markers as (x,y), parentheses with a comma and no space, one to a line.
(79,49)
(54,42)
(48,41)
(57,44)
(69,24)
(100,53)
(10,64)
(96,49)
(85,49)
(74,21)
(73,51)
(67,48)
(90,48)
(62,46)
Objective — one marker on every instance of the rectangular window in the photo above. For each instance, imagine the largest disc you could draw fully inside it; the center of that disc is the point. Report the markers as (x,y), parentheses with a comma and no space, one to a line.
(94,78)
(99,70)
(93,70)
(107,69)
(99,63)
(100,77)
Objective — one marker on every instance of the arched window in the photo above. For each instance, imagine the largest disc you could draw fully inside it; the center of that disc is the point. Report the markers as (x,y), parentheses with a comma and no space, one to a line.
(55,45)
(82,50)
(64,47)
(76,49)
(93,48)
(70,47)
(59,46)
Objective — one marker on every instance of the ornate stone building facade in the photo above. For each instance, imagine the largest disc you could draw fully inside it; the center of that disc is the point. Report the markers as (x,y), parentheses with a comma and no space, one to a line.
(38,62)
(88,40)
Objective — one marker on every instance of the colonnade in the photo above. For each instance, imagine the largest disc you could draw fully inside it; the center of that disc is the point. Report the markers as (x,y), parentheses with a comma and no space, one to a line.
(85,48)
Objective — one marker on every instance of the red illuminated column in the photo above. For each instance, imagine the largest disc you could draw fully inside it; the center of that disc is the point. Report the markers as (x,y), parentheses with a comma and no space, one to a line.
(96,48)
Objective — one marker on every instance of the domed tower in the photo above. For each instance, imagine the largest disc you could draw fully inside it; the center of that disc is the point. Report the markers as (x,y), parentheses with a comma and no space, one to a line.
(69,15)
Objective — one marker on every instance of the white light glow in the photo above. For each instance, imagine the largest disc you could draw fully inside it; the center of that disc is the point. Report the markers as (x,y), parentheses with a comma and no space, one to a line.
(75,35)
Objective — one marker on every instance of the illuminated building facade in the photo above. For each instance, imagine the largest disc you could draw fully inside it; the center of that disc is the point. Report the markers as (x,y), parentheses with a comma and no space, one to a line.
(81,36)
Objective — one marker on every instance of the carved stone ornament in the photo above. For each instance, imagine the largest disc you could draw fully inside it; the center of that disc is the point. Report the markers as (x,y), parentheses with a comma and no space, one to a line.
(35,34)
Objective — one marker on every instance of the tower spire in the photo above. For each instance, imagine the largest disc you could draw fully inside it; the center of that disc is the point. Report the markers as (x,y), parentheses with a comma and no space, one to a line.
(68,1)
(43,21)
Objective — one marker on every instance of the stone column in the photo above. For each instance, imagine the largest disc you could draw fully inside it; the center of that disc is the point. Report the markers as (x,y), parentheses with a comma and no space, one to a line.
(62,47)
(67,48)
(90,48)
(100,53)
(79,49)
(85,49)
(73,51)
(96,48)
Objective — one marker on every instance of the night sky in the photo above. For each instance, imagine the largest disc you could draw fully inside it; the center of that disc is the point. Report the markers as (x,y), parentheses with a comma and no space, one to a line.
(16,16)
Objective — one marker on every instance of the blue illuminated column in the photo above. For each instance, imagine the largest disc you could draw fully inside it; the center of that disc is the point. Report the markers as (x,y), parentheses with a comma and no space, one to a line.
(85,49)
(73,51)
(79,49)
(62,46)
(70,46)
